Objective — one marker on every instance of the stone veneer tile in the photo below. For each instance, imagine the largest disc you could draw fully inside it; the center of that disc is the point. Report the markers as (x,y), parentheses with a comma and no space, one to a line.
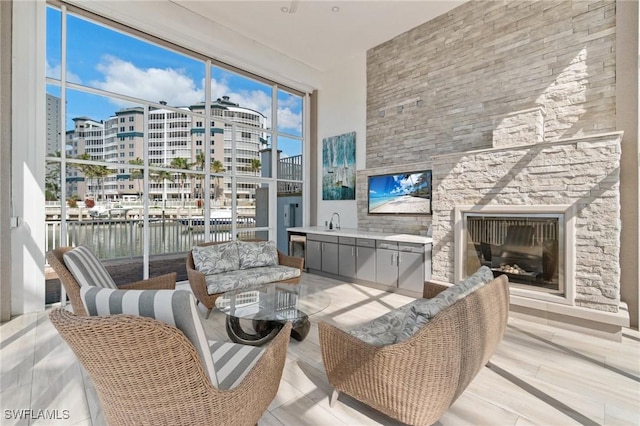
(455,74)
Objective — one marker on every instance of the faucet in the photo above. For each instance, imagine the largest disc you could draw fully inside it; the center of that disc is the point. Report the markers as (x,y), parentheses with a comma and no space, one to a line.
(331,221)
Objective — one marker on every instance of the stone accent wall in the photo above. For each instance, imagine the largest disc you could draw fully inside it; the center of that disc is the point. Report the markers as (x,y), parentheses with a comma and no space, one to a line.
(417,225)
(437,88)
(583,172)
(519,128)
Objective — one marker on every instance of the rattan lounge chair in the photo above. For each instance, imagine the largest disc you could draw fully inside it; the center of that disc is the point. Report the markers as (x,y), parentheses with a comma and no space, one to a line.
(148,372)
(72,287)
(416,381)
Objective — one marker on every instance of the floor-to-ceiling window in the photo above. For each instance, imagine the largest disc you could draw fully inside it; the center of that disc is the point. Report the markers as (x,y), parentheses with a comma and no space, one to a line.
(152,148)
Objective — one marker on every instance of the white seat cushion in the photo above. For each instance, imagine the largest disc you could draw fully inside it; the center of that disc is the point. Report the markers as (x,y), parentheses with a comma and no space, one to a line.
(233,362)
(174,307)
(87,269)
(246,278)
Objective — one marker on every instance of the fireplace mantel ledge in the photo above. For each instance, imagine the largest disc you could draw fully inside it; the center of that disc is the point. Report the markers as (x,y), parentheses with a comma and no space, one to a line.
(588,139)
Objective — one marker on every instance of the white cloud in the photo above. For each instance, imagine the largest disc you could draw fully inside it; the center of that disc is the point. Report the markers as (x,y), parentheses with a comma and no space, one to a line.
(154,84)
(259,101)
(55,72)
(178,89)
(287,119)
(404,184)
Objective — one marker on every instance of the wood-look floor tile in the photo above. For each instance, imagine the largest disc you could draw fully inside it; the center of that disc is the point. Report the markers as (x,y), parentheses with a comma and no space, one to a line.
(269,419)
(540,374)
(18,349)
(303,411)
(469,410)
(15,399)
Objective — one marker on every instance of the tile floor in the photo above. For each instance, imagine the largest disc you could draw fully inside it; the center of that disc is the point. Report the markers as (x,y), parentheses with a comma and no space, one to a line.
(539,374)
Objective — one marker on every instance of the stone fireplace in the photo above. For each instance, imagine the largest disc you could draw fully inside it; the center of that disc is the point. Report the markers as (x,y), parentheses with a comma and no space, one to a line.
(546,213)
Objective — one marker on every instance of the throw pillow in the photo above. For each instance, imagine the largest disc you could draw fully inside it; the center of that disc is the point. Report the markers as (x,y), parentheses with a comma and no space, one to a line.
(87,269)
(412,323)
(478,279)
(216,258)
(424,310)
(173,307)
(257,254)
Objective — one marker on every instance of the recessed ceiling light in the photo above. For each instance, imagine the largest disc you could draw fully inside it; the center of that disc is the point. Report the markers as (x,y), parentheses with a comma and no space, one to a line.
(335,9)
(284,9)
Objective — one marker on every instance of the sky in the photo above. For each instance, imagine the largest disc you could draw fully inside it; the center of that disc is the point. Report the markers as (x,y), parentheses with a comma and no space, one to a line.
(106,59)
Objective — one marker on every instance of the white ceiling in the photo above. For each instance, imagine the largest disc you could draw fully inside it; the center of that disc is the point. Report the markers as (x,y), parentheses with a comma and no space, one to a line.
(313,34)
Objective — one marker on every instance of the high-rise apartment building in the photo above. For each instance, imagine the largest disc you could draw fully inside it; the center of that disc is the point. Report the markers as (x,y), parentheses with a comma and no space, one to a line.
(53,124)
(171,134)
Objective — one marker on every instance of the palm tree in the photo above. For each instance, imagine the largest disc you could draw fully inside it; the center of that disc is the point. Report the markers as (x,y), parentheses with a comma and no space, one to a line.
(181,164)
(101,172)
(255,165)
(137,174)
(424,185)
(87,170)
(217,167)
(52,180)
(199,165)
(160,176)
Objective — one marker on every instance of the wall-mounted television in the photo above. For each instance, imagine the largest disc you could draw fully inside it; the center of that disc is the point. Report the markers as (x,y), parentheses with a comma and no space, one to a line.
(400,193)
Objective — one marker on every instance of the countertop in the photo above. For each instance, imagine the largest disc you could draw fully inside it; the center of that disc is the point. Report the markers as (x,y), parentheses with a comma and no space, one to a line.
(358,233)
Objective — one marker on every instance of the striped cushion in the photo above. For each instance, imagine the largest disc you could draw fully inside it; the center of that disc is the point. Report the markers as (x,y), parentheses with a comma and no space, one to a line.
(87,269)
(173,307)
(233,362)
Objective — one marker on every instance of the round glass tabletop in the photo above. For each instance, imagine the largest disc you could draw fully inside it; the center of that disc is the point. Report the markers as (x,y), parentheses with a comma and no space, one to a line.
(274,302)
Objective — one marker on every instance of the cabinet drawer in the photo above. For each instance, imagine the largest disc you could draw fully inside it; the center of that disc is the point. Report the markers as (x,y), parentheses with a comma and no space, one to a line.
(389,245)
(325,238)
(351,241)
(411,247)
(366,242)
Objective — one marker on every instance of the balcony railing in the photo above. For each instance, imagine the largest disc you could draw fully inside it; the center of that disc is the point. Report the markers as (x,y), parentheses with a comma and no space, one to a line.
(123,238)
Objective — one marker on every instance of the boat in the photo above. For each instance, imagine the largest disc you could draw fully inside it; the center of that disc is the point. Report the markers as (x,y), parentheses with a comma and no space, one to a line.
(101,211)
(217,217)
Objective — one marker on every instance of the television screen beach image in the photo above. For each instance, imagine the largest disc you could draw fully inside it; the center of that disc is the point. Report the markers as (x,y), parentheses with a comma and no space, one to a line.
(400,193)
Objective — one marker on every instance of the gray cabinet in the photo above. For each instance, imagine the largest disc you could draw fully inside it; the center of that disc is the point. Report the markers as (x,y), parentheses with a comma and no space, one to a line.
(395,265)
(387,263)
(411,270)
(330,257)
(400,265)
(322,253)
(347,257)
(313,254)
(366,259)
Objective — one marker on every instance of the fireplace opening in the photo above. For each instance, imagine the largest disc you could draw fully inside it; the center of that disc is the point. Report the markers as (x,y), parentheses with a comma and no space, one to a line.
(527,248)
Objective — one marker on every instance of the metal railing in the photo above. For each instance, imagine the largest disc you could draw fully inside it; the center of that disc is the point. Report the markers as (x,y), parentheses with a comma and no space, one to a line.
(124,238)
(290,168)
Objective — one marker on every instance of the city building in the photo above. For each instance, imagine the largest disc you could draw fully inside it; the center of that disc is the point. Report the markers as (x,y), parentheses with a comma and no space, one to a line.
(172,134)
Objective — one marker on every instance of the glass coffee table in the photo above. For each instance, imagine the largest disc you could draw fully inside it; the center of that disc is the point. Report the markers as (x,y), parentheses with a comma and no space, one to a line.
(269,307)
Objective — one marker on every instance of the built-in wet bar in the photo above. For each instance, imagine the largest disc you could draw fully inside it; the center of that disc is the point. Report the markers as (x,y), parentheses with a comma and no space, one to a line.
(393,262)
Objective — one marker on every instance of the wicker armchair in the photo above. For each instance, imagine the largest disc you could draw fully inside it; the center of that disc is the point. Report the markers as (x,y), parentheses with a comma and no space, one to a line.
(147,372)
(416,381)
(197,280)
(71,286)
